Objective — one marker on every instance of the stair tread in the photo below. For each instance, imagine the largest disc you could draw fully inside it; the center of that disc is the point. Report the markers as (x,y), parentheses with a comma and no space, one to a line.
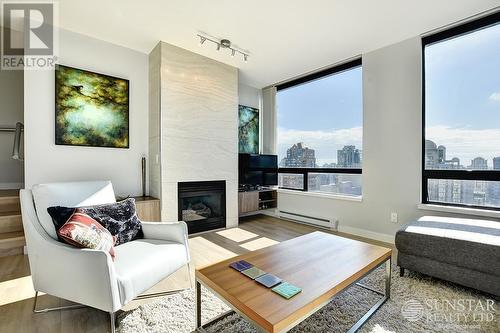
(10,213)
(9,193)
(11,235)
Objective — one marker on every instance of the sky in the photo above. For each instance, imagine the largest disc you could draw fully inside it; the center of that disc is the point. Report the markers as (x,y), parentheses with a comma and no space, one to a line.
(463,95)
(325,114)
(462,103)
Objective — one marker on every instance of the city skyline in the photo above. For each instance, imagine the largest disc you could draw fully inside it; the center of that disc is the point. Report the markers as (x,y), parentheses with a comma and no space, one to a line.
(300,155)
(303,156)
(437,157)
(469,192)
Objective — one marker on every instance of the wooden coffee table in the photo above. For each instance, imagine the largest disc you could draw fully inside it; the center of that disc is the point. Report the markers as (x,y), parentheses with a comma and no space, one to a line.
(321,264)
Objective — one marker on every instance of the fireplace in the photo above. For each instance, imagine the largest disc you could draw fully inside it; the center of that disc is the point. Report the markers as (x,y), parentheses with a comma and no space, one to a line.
(202,205)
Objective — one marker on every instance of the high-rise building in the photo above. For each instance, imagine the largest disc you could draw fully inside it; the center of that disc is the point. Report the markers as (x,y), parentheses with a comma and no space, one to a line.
(496,163)
(479,163)
(299,156)
(435,157)
(349,157)
(441,154)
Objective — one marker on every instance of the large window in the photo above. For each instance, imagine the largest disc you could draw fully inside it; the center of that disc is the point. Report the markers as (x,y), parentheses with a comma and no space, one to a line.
(320,129)
(461,147)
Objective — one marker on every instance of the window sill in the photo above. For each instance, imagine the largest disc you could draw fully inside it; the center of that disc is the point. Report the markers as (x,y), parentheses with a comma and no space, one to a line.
(323,195)
(460,210)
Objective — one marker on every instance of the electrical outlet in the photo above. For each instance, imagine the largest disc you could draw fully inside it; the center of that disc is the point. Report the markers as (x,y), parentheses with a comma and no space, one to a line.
(394,217)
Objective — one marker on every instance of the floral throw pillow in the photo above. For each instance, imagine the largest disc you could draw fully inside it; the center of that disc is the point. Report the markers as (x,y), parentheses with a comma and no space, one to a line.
(83,231)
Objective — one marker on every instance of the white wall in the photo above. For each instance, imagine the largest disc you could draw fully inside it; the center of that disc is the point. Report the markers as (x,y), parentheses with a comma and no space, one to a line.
(46,162)
(154,136)
(269,120)
(11,112)
(249,96)
(392,138)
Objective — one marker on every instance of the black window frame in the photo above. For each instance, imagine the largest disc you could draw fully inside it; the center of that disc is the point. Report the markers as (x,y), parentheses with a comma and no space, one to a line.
(348,65)
(427,174)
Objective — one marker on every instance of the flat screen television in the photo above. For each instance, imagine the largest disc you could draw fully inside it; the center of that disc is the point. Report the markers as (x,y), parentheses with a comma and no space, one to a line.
(257,169)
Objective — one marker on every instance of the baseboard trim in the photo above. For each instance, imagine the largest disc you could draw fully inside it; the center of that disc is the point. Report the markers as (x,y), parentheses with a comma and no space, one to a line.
(367,234)
(273,212)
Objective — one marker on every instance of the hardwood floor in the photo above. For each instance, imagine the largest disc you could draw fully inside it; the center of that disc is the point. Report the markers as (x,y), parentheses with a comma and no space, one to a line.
(17,294)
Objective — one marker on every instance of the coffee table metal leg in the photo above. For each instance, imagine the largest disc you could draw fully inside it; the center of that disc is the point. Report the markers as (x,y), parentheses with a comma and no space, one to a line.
(201,327)
(198,305)
(388,270)
(377,305)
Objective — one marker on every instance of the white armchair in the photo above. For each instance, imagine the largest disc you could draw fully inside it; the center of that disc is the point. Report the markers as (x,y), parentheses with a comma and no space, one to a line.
(91,277)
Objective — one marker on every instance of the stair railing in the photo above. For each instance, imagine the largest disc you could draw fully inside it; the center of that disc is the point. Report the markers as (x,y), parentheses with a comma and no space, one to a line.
(17,139)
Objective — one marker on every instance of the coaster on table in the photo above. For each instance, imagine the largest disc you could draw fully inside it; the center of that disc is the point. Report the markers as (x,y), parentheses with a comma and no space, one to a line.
(286,290)
(241,265)
(253,272)
(268,280)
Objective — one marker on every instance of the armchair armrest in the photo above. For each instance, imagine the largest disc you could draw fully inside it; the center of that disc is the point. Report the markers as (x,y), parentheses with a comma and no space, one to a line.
(80,275)
(168,231)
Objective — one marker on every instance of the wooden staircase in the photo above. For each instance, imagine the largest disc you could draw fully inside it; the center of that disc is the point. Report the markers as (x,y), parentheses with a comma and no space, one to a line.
(11,226)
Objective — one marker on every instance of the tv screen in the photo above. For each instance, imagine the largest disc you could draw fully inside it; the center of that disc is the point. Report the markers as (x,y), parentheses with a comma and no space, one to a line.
(258,169)
(270,178)
(263,162)
(253,178)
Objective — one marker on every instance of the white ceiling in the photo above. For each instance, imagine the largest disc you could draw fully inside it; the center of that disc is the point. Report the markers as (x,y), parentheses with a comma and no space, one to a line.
(284,37)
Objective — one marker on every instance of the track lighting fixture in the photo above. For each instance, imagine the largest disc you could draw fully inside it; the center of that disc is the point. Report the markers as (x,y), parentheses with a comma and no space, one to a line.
(225,44)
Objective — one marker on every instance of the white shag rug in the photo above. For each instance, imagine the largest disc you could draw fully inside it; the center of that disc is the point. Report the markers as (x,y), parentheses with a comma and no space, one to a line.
(417,304)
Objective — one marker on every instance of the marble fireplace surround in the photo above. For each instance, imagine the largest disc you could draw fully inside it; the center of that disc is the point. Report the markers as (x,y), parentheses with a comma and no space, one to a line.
(193,126)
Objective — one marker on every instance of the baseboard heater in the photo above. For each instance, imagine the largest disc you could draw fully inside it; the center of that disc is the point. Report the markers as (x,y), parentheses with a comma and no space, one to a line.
(331,224)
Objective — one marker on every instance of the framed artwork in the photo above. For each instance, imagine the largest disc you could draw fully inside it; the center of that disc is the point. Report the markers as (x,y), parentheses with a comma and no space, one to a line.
(92,109)
(248,129)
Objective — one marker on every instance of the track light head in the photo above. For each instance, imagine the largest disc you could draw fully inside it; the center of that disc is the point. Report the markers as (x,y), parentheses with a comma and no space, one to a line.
(245,57)
(233,52)
(202,40)
(218,46)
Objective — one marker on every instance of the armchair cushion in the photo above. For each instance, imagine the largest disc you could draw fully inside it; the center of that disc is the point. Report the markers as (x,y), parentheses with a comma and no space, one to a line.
(142,263)
(70,194)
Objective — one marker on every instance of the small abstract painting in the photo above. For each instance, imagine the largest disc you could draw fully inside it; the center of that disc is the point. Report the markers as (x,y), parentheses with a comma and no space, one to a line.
(91,109)
(248,130)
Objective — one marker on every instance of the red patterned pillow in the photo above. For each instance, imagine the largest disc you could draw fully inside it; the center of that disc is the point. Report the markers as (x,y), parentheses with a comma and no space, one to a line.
(83,231)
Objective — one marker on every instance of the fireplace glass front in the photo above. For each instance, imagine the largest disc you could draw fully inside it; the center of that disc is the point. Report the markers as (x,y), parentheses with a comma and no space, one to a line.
(202,205)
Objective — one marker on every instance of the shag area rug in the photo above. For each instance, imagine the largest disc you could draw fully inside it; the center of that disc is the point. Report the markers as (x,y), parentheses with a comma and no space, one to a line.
(418,304)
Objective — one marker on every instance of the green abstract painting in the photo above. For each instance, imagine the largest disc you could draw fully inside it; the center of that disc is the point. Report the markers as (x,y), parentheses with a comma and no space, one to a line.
(248,130)
(91,109)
